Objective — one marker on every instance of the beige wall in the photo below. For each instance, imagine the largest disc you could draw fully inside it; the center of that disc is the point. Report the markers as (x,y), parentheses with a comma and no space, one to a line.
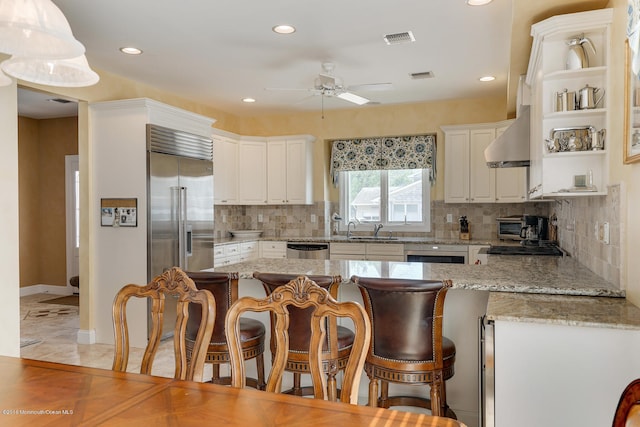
(42,147)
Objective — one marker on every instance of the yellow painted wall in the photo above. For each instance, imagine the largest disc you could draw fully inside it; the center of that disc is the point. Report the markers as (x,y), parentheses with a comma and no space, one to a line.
(42,146)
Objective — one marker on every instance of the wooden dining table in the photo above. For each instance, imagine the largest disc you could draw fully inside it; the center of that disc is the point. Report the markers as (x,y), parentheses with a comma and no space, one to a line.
(38,393)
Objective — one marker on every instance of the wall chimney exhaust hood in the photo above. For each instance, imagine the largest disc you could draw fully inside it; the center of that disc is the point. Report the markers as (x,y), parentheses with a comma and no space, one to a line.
(511,149)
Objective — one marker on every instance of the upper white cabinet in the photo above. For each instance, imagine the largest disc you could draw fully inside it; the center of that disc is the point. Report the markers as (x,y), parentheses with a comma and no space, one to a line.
(290,170)
(252,172)
(559,155)
(467,176)
(225,170)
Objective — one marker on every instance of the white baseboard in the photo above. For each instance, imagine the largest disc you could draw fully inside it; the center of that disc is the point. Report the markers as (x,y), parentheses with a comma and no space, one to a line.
(86,336)
(46,289)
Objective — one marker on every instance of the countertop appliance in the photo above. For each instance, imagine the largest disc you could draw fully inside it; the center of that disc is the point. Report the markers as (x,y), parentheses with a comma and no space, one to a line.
(180,205)
(308,250)
(448,254)
(529,229)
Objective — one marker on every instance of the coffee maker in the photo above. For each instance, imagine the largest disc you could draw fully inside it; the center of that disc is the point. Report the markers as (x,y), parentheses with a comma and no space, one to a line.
(535,229)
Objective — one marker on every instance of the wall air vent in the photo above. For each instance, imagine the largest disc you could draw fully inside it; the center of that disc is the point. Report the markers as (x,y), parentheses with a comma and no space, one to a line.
(422,75)
(406,37)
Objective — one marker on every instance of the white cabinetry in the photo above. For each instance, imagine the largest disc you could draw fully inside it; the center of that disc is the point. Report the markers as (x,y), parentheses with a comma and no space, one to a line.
(367,251)
(249,251)
(226,254)
(252,172)
(467,176)
(273,249)
(553,170)
(290,170)
(225,170)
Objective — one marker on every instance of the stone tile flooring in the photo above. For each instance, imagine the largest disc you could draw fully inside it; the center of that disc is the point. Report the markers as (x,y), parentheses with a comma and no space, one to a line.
(49,332)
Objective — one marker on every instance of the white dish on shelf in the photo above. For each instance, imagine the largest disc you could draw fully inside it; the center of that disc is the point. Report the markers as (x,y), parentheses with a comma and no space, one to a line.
(246,233)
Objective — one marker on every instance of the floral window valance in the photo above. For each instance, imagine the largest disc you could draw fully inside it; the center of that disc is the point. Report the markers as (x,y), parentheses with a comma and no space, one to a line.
(389,152)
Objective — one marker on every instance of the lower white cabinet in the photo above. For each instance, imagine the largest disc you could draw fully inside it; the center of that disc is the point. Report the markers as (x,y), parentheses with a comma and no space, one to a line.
(226,254)
(232,253)
(273,249)
(249,251)
(367,251)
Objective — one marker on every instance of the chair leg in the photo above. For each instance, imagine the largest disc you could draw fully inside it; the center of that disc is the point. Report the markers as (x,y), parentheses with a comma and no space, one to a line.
(260,367)
(436,402)
(216,372)
(297,388)
(384,394)
(373,392)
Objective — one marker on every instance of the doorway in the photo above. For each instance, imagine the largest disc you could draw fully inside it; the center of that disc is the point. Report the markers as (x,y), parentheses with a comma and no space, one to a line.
(72,198)
(47,134)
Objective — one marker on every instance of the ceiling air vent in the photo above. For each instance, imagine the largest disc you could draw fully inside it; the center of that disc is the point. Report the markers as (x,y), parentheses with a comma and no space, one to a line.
(422,75)
(398,38)
(59,100)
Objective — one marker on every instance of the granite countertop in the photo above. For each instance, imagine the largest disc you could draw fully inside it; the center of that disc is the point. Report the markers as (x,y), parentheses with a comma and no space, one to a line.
(555,290)
(614,313)
(521,274)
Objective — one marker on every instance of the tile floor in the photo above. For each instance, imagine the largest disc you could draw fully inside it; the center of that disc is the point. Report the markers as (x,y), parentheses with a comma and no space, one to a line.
(50,333)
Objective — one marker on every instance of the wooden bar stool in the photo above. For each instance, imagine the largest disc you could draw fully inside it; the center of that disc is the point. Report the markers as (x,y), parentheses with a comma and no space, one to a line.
(334,358)
(224,287)
(303,294)
(407,345)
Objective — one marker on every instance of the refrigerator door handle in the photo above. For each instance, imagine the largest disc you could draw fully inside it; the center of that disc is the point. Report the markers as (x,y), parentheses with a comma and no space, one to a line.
(189,248)
(182,228)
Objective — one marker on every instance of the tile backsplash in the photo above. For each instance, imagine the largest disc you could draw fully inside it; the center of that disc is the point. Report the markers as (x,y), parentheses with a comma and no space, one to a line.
(577,218)
(579,223)
(298,220)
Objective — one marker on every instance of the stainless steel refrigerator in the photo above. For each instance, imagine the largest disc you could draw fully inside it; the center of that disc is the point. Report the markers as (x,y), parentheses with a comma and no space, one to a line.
(180,205)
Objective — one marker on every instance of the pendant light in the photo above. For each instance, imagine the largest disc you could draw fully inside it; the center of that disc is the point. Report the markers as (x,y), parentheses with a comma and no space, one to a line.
(74,72)
(4,79)
(36,28)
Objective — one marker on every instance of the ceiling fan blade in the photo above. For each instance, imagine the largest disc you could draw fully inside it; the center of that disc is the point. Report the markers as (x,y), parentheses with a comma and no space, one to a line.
(352,97)
(290,89)
(371,86)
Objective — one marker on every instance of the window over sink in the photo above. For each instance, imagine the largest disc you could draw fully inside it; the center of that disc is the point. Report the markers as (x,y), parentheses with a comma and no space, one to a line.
(397,198)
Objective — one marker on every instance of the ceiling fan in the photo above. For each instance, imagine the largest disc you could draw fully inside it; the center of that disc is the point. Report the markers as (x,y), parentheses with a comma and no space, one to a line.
(327,84)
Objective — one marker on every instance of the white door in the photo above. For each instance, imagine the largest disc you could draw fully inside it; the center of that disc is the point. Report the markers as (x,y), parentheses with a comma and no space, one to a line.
(72,197)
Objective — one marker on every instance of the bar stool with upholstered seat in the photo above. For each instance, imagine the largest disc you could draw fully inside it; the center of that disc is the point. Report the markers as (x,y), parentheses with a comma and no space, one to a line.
(335,358)
(303,296)
(224,287)
(407,345)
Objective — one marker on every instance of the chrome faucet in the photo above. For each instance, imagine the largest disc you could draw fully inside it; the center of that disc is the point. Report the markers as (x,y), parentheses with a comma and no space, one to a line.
(349,228)
(376,228)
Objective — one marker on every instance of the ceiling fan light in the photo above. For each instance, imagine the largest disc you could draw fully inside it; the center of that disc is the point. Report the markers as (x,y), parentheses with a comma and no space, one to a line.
(478,2)
(74,72)
(352,97)
(36,28)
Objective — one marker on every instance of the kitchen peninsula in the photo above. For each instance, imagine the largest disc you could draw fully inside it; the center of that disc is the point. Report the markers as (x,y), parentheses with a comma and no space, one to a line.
(565,339)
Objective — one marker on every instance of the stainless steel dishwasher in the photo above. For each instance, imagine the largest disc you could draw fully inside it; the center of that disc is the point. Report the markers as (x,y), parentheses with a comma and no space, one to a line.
(308,250)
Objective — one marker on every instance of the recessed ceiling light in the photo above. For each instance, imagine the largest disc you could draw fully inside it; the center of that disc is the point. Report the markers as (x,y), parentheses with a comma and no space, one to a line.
(478,2)
(248,100)
(130,50)
(487,79)
(284,29)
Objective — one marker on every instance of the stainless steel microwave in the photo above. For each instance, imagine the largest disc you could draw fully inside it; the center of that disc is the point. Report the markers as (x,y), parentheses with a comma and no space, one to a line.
(509,227)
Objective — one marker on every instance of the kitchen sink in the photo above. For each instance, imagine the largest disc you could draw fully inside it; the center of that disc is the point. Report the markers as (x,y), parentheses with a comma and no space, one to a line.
(371,238)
